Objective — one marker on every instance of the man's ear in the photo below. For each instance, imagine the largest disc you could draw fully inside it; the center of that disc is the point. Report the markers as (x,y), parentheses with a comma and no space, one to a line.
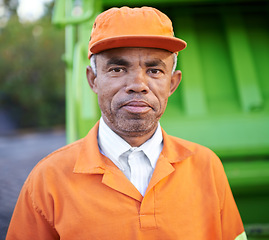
(91,79)
(175,81)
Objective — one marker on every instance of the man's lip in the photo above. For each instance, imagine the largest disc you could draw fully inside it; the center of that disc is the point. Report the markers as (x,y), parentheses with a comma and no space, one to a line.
(137,103)
(136,106)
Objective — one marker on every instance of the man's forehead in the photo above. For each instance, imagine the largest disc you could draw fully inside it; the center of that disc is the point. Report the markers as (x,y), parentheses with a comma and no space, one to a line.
(127,50)
(128,54)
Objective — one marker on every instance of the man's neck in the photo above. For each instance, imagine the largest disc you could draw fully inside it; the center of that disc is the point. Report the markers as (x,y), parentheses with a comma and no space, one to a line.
(136,140)
(113,146)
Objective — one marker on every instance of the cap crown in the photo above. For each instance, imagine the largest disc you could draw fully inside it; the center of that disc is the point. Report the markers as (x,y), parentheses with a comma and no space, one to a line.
(130,27)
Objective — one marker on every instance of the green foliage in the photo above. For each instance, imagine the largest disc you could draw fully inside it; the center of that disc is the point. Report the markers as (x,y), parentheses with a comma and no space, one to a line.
(32,85)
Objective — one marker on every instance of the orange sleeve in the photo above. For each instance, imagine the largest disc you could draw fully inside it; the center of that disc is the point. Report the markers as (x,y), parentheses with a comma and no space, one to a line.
(232,226)
(28,222)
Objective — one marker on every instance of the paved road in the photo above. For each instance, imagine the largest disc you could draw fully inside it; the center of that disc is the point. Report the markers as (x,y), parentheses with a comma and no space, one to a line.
(19,153)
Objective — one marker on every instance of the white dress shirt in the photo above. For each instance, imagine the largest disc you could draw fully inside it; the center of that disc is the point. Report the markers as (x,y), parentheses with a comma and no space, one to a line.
(137,163)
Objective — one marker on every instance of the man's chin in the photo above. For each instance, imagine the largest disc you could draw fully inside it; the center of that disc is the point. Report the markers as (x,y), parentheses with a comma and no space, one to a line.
(136,127)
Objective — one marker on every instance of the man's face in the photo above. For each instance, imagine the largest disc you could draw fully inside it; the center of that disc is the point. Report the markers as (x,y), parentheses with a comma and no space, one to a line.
(133,86)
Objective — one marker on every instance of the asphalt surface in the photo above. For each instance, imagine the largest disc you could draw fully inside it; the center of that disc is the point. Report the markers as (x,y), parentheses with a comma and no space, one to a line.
(19,153)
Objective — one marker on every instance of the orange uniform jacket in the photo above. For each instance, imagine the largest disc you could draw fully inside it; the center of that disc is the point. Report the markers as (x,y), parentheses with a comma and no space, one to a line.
(76,193)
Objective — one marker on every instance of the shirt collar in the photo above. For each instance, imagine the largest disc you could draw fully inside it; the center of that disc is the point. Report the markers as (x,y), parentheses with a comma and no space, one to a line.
(91,161)
(112,145)
(153,146)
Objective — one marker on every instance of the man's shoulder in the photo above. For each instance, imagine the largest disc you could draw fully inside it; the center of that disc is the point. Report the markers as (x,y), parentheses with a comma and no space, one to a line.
(200,155)
(194,147)
(66,151)
(62,159)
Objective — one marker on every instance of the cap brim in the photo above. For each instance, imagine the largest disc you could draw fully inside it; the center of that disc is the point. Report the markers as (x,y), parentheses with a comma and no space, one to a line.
(170,44)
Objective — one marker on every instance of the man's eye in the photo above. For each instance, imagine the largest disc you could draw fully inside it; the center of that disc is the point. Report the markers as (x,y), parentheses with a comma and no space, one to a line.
(116,70)
(154,71)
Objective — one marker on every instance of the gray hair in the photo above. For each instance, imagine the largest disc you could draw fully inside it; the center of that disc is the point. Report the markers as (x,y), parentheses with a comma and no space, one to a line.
(94,68)
(93,64)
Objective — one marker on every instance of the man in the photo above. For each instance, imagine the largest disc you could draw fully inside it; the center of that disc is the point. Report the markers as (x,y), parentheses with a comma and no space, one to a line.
(127,179)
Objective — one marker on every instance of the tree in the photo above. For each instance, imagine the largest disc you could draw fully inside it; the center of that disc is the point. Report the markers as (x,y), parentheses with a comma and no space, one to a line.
(32,73)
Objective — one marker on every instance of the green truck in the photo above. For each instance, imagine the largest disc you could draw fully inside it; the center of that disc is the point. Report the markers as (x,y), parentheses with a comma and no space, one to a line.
(223,100)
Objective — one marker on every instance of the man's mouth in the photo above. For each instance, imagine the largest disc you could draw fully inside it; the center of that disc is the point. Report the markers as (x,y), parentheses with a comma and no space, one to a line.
(137,107)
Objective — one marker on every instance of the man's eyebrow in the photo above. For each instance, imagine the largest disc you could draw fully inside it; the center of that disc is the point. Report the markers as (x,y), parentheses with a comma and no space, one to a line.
(155,63)
(118,61)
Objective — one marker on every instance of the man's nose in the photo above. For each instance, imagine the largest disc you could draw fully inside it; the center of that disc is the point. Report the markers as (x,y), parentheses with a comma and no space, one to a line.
(137,83)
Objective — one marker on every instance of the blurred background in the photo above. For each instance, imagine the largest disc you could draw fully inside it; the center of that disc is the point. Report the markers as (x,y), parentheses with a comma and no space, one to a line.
(222,102)
(32,94)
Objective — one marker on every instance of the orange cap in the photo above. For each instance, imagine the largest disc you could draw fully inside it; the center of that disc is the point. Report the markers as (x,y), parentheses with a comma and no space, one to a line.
(133,27)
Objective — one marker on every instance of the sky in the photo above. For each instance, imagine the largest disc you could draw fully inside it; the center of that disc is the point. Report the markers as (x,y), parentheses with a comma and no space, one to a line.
(31,10)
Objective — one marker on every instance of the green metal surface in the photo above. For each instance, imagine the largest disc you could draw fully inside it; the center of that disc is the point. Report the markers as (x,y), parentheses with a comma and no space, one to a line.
(223,100)
(81,103)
